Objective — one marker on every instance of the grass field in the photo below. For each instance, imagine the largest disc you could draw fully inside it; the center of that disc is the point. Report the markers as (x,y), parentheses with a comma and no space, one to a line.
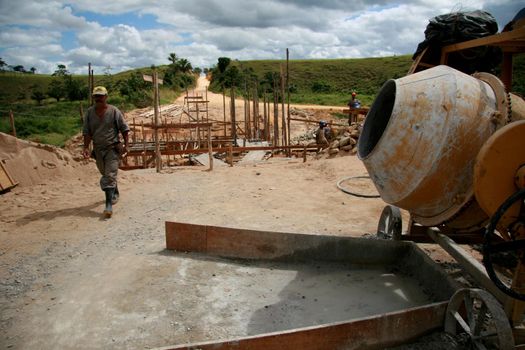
(322,82)
(337,78)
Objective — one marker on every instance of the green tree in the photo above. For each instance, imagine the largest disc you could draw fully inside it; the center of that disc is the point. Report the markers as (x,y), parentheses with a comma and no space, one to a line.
(56,90)
(75,90)
(2,65)
(33,70)
(197,70)
(19,68)
(135,90)
(223,63)
(173,58)
(183,65)
(61,71)
(232,77)
(38,96)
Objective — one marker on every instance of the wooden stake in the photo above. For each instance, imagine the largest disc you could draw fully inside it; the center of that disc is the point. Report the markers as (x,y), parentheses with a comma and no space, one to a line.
(12,121)
(90,85)
(255,111)
(275,115)
(283,117)
(232,116)
(288,98)
(143,145)
(265,118)
(224,109)
(81,111)
(230,154)
(210,150)
(158,159)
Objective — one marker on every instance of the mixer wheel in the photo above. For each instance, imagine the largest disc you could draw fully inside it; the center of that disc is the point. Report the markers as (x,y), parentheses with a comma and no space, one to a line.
(482,322)
(512,249)
(390,223)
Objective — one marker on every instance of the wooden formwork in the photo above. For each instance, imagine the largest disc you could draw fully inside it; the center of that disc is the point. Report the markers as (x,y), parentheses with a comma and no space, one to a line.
(374,332)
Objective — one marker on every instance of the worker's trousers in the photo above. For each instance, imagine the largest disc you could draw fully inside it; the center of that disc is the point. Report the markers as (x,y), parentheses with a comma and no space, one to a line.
(107,164)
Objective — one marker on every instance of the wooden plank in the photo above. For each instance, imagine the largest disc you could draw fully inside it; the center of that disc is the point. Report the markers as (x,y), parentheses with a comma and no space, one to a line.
(6,181)
(515,36)
(257,244)
(185,237)
(375,332)
(235,150)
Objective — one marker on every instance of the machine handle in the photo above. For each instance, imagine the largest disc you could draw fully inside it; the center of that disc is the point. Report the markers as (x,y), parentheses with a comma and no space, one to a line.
(513,245)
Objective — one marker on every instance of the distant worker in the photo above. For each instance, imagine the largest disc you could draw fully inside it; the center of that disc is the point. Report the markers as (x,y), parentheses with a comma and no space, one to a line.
(323,135)
(354,102)
(102,124)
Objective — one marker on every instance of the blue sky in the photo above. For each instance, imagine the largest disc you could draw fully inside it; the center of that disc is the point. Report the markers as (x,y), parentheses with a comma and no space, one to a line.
(128,34)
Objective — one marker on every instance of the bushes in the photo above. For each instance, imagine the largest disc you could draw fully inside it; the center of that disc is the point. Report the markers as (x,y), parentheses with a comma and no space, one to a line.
(321,87)
(135,90)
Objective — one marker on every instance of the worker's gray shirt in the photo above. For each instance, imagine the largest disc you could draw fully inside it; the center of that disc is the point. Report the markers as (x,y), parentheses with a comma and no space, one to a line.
(104,131)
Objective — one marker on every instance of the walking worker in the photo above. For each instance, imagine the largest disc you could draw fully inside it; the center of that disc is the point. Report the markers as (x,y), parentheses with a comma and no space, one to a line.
(102,124)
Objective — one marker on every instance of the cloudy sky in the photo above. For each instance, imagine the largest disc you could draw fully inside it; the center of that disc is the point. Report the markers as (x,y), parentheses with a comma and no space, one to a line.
(124,34)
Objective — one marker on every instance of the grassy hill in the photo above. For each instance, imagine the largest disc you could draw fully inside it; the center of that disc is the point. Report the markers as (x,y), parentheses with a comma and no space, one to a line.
(50,121)
(336,78)
(323,82)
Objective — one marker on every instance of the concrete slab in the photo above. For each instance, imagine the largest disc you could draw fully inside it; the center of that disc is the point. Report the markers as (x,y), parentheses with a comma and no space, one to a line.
(312,281)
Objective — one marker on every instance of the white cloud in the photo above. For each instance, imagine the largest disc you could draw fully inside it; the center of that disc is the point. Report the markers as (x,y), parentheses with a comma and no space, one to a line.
(202,31)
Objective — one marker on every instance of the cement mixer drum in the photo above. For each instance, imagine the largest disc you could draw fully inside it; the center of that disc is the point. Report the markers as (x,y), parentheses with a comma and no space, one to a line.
(420,140)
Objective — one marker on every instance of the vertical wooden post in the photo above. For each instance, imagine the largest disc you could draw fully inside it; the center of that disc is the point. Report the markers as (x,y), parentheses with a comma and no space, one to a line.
(275,114)
(224,109)
(255,111)
(230,154)
(283,117)
(265,118)
(158,157)
(506,70)
(304,154)
(232,115)
(206,99)
(246,113)
(210,150)
(90,85)
(198,120)
(268,119)
(143,146)
(134,140)
(81,111)
(288,100)
(12,121)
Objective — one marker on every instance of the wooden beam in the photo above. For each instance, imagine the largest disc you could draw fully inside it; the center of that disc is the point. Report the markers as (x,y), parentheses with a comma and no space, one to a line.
(234,149)
(492,40)
(375,332)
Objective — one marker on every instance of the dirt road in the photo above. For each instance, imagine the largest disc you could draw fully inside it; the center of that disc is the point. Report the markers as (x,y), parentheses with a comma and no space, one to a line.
(70,279)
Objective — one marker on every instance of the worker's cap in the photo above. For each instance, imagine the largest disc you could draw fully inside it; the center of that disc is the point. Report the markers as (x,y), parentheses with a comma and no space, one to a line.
(322,123)
(99,90)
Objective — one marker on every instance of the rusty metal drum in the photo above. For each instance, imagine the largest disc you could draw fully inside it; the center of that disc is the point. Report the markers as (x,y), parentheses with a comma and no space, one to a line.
(420,140)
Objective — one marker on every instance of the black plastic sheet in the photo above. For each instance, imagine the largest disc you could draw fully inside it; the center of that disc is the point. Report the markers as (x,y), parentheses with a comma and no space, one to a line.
(458,27)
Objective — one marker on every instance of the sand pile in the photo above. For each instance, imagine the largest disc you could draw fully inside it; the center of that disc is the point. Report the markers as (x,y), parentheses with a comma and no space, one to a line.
(31,163)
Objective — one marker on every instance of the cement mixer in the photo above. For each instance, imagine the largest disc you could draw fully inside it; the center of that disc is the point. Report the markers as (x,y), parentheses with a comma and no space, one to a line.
(450,149)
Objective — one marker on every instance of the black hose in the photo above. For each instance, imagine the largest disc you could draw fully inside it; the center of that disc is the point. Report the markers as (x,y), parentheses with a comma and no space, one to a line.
(353,193)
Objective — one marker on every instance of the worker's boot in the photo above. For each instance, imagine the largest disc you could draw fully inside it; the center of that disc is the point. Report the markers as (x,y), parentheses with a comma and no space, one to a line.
(108,211)
(115,197)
